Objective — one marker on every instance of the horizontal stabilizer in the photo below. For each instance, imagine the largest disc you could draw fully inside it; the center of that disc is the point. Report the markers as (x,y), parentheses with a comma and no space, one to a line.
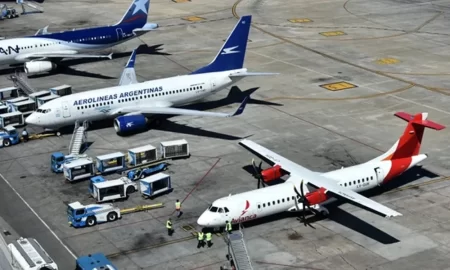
(50,55)
(420,119)
(245,74)
(147,27)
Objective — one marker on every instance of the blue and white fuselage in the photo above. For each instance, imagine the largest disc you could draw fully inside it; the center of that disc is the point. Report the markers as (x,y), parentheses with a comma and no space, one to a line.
(131,102)
(40,52)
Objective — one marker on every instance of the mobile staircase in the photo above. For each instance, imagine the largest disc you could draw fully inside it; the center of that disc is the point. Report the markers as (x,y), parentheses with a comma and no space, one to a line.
(33,5)
(238,250)
(79,137)
(20,81)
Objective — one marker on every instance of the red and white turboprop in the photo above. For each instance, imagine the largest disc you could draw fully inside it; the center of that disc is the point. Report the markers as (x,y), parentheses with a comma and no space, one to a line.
(320,187)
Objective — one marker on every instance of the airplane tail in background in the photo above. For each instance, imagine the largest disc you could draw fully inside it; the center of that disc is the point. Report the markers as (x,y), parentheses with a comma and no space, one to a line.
(136,14)
(409,143)
(231,55)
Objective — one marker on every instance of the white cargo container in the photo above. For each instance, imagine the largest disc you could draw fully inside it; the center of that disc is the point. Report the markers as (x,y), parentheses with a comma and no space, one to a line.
(113,189)
(141,155)
(42,100)
(3,109)
(28,254)
(155,184)
(174,149)
(13,118)
(62,90)
(8,93)
(39,94)
(78,169)
(26,107)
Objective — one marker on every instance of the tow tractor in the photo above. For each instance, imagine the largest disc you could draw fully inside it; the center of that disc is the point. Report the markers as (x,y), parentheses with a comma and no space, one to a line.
(8,12)
(94,261)
(58,159)
(140,173)
(80,215)
(8,136)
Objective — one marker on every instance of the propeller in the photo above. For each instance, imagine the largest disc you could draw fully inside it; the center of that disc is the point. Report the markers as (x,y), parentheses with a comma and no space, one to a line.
(258,174)
(305,203)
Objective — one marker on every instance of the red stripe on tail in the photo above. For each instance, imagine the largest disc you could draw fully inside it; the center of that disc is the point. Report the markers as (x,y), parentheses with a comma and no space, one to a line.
(409,143)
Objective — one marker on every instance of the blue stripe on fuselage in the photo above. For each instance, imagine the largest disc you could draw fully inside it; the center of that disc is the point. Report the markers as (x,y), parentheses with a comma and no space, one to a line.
(91,36)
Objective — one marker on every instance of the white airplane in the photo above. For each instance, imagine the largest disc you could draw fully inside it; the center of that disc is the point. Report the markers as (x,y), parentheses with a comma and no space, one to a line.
(321,188)
(39,53)
(135,101)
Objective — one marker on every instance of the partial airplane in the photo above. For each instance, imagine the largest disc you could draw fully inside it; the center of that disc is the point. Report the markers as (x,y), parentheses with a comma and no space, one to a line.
(40,52)
(318,189)
(133,102)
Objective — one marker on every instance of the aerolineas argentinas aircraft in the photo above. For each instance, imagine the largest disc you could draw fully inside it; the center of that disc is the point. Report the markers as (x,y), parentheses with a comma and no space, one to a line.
(40,52)
(134,101)
(316,188)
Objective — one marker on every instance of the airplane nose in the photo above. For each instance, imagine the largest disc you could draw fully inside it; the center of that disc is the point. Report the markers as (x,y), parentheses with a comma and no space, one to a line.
(203,220)
(31,119)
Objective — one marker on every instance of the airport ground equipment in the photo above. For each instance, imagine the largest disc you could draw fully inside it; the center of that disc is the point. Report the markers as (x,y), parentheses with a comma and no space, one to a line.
(139,173)
(62,90)
(79,137)
(96,261)
(7,12)
(111,162)
(110,190)
(20,81)
(10,102)
(58,159)
(8,136)
(155,185)
(35,96)
(42,100)
(9,93)
(14,119)
(142,155)
(238,250)
(174,149)
(26,107)
(81,216)
(28,254)
(78,169)
(3,108)
(36,8)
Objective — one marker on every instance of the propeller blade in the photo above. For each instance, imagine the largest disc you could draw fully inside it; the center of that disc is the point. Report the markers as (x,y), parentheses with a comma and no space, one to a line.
(260,164)
(301,189)
(296,191)
(296,205)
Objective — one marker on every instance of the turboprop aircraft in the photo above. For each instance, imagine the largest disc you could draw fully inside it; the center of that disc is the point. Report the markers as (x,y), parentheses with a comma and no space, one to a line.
(132,102)
(317,188)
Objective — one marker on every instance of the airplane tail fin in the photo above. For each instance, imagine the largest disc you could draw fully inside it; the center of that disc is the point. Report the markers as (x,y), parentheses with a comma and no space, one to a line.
(136,14)
(409,143)
(231,55)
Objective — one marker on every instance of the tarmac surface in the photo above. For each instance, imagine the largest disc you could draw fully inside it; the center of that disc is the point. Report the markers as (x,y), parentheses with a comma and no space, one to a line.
(345,68)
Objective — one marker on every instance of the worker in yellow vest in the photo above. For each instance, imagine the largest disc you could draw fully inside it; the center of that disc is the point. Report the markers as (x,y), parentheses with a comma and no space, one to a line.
(170,230)
(178,208)
(209,238)
(228,227)
(201,239)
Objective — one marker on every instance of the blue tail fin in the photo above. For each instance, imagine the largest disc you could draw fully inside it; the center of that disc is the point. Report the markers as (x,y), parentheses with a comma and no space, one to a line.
(231,55)
(136,14)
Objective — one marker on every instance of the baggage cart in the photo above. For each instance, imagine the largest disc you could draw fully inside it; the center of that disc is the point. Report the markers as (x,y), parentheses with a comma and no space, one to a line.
(155,185)
(103,191)
(62,90)
(174,149)
(9,93)
(141,155)
(42,100)
(26,107)
(14,119)
(111,162)
(78,169)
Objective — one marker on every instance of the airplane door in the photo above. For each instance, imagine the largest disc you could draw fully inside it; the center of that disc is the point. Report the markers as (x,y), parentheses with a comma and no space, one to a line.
(379,175)
(120,34)
(66,110)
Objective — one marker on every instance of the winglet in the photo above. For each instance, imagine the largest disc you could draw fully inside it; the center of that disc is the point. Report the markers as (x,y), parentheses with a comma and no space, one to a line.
(241,108)
(131,60)
(129,74)
(110,56)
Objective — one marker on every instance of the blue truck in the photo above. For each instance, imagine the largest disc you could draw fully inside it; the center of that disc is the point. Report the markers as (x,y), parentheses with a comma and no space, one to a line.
(80,215)
(58,159)
(94,262)
(9,136)
(139,173)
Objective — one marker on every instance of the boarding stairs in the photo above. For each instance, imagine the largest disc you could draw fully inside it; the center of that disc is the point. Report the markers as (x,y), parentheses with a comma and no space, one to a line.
(238,250)
(20,81)
(34,6)
(79,137)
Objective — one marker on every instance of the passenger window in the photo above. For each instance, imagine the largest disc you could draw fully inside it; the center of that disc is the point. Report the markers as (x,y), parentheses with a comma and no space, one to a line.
(359,181)
(371,178)
(273,202)
(345,184)
(354,182)
(287,198)
(264,205)
(282,200)
(293,197)
(259,206)
(278,201)
(367,178)
(268,204)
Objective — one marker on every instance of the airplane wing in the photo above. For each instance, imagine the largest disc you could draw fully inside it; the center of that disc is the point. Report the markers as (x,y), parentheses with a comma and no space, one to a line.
(49,55)
(129,74)
(177,111)
(317,180)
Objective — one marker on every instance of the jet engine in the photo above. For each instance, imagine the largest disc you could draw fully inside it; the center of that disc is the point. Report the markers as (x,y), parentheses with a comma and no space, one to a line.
(38,66)
(130,123)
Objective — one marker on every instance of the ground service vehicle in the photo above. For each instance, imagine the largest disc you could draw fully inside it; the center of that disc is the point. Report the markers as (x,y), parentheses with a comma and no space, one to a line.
(102,190)
(28,254)
(140,173)
(88,215)
(58,159)
(94,261)
(8,136)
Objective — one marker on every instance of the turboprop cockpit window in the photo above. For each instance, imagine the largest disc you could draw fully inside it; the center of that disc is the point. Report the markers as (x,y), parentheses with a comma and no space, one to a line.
(220,210)
(213,209)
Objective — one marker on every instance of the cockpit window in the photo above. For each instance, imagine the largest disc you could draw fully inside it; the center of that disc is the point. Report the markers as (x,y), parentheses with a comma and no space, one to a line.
(226,210)
(220,210)
(213,209)
(43,111)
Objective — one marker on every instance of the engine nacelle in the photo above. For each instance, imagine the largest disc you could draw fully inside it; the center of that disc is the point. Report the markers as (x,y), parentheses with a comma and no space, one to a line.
(317,196)
(129,123)
(38,66)
(272,173)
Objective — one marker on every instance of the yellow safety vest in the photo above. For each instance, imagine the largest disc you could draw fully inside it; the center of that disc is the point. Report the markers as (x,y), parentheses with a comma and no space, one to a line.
(208,236)
(169,225)
(177,205)
(200,236)
(228,227)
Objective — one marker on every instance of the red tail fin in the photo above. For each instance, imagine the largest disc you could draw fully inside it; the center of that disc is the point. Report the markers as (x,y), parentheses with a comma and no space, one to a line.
(409,143)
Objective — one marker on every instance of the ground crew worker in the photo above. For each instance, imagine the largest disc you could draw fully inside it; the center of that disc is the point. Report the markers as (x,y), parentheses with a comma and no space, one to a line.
(209,238)
(228,227)
(178,208)
(25,135)
(201,241)
(169,227)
